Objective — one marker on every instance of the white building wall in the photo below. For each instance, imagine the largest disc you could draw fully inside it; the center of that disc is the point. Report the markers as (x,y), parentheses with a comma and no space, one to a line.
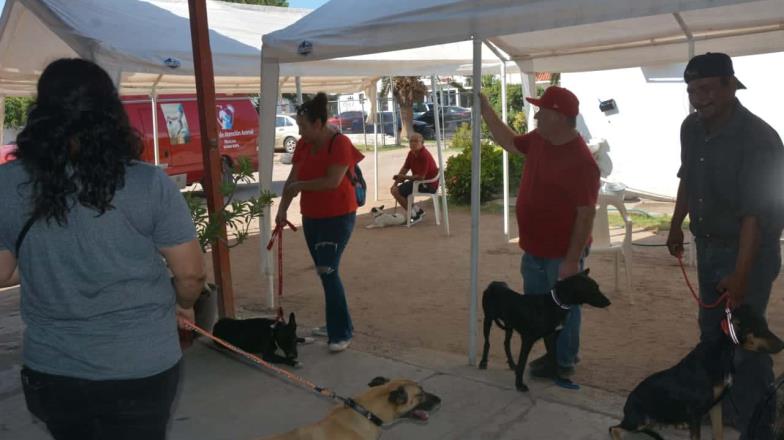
(644,134)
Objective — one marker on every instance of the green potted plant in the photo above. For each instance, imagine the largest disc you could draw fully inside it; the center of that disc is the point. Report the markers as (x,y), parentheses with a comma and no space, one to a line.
(237,215)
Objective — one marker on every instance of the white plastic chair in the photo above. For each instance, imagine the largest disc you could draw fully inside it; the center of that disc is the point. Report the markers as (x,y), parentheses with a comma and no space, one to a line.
(601,235)
(415,192)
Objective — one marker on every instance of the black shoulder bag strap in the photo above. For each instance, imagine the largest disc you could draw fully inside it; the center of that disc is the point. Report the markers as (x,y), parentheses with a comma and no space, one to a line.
(23,233)
(351,180)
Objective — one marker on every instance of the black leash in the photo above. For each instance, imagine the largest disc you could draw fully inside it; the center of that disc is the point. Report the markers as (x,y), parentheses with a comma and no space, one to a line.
(352,404)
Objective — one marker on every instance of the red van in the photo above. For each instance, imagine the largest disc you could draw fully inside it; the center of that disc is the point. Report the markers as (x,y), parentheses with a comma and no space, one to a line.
(179,139)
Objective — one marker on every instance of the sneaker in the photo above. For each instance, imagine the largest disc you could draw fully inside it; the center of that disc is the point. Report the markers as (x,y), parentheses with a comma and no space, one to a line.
(320,331)
(337,347)
(417,217)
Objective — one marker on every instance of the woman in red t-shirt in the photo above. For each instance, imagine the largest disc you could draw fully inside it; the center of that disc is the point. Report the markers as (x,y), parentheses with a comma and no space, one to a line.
(322,160)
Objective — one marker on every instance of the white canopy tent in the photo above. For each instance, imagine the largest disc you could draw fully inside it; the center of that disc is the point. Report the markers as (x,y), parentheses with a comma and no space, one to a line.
(554,35)
(145,44)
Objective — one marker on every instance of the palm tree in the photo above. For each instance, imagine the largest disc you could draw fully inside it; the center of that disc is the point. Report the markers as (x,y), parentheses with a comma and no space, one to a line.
(407,90)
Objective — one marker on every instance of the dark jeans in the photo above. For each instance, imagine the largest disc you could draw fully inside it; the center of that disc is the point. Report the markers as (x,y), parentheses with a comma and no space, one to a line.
(407,187)
(327,238)
(753,371)
(81,409)
(539,277)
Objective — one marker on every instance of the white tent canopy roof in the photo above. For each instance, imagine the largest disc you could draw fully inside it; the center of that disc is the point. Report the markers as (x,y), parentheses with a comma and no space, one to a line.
(559,35)
(135,38)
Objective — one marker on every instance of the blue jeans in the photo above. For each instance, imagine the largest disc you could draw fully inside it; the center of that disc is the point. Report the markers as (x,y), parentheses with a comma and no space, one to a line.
(81,409)
(539,277)
(326,239)
(753,371)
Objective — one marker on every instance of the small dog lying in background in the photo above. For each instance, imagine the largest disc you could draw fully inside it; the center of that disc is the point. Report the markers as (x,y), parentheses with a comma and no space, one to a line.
(382,219)
(262,336)
(683,394)
(534,316)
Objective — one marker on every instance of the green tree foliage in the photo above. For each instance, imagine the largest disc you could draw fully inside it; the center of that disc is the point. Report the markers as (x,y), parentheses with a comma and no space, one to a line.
(283,3)
(236,214)
(457,174)
(491,86)
(16,111)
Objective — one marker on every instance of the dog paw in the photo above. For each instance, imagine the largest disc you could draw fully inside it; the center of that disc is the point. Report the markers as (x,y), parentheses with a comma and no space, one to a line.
(483,365)
(523,388)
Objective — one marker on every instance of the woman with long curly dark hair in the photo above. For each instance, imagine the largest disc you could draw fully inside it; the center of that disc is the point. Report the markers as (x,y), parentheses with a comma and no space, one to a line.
(83,228)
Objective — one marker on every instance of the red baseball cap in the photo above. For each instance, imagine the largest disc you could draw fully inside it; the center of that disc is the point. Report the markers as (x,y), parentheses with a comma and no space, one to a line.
(559,99)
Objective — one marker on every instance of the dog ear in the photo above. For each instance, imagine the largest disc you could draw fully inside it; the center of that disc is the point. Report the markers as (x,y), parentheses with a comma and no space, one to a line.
(398,396)
(292,320)
(585,272)
(381,208)
(378,380)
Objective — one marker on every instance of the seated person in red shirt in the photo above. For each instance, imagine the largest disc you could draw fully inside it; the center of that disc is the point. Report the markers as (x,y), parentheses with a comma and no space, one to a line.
(422,166)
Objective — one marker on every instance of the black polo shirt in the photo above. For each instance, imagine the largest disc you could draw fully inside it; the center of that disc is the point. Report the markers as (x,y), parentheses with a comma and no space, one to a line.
(736,172)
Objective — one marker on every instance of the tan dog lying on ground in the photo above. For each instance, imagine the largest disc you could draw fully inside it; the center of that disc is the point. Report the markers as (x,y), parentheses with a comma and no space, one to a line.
(388,400)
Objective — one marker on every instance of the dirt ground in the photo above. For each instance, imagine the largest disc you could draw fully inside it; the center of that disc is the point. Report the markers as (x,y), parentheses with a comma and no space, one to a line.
(409,288)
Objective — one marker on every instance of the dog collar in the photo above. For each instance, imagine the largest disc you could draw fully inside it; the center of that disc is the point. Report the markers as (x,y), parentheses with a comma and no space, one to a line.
(555,300)
(364,412)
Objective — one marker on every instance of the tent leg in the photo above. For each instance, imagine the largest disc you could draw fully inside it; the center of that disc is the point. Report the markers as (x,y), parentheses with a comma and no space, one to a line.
(475,200)
(270,71)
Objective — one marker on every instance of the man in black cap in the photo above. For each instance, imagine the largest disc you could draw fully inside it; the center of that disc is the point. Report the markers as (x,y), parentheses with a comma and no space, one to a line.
(731,186)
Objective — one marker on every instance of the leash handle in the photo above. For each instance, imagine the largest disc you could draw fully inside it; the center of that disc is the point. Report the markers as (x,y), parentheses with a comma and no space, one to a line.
(724,298)
(277,233)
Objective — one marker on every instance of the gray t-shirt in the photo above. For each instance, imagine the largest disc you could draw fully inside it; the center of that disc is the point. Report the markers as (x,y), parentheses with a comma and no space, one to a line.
(96,296)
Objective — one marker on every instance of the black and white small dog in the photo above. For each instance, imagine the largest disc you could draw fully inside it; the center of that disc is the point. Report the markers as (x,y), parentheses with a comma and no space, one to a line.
(382,219)
(262,336)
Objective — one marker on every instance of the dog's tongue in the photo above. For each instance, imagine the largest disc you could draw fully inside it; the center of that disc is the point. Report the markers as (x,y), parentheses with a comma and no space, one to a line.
(420,414)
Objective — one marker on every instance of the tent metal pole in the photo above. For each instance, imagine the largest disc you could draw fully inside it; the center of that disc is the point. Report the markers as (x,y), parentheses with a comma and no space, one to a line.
(505,155)
(270,71)
(439,148)
(154,104)
(298,85)
(205,95)
(476,167)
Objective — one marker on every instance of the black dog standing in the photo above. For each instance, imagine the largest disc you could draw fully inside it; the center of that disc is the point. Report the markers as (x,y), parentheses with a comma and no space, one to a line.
(534,316)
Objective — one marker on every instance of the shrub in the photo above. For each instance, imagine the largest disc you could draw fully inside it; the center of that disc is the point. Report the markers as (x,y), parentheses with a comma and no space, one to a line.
(457,174)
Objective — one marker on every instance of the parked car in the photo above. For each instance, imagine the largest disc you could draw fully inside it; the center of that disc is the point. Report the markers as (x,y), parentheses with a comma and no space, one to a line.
(385,120)
(286,133)
(452,116)
(348,121)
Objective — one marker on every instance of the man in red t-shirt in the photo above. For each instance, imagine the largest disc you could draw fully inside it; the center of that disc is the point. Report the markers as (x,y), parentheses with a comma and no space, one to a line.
(556,204)
(422,166)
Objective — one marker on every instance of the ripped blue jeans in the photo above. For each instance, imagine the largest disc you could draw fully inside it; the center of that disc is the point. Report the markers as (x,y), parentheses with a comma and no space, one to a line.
(326,239)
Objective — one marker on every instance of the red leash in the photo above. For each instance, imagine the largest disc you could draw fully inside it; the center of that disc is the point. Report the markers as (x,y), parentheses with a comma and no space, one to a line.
(724,297)
(278,233)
